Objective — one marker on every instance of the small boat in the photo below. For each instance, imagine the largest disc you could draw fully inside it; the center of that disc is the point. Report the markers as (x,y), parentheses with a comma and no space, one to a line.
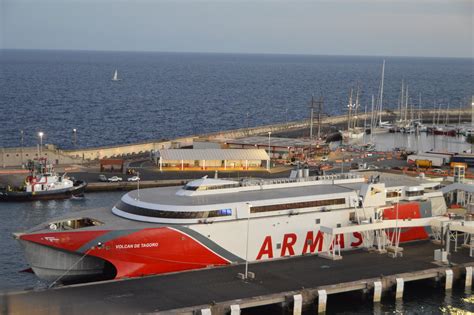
(440,131)
(115,77)
(43,184)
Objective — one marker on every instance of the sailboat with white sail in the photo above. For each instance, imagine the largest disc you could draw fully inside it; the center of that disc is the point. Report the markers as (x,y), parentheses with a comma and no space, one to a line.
(115,77)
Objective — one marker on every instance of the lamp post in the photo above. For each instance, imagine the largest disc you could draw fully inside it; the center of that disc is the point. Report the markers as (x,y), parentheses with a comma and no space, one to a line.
(41,134)
(247,244)
(138,185)
(22,133)
(269,149)
(74,137)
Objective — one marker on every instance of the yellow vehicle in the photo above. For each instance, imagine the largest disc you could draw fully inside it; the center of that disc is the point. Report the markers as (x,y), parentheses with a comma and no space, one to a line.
(423,163)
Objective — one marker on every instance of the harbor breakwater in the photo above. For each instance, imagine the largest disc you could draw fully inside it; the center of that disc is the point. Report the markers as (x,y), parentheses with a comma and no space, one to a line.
(12,157)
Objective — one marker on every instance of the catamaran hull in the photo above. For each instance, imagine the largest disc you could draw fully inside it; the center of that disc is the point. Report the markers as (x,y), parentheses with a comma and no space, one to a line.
(52,264)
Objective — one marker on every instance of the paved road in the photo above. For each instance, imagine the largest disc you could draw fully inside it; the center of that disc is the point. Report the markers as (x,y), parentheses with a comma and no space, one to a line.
(185,289)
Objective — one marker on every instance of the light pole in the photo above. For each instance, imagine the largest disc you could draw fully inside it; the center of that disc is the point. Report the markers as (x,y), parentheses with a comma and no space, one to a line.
(22,133)
(41,134)
(269,148)
(247,244)
(74,137)
(138,185)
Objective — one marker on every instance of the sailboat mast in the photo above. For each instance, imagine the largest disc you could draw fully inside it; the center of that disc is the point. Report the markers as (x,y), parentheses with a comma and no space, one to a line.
(402,98)
(356,107)
(372,122)
(447,115)
(349,113)
(406,105)
(365,117)
(381,92)
(459,114)
(439,114)
(419,108)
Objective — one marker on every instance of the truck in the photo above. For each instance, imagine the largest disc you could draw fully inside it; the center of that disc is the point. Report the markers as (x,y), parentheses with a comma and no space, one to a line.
(435,161)
(423,163)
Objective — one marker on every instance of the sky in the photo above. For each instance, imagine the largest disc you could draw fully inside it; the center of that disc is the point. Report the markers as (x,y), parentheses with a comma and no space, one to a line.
(432,28)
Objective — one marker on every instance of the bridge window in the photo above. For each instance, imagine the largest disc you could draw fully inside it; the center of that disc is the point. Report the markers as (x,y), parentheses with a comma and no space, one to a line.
(166,214)
(299,205)
(414,193)
(393,194)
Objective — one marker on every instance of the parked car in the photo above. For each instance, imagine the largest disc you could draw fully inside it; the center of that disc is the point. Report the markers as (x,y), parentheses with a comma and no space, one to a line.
(133,179)
(115,179)
(438,171)
(102,178)
(324,159)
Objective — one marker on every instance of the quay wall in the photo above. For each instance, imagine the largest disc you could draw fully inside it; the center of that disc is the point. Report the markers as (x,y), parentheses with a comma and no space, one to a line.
(13,157)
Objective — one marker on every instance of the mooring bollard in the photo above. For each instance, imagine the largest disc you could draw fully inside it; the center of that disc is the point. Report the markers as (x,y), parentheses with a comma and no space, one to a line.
(322,300)
(377,291)
(206,311)
(235,309)
(449,279)
(400,285)
(468,277)
(297,304)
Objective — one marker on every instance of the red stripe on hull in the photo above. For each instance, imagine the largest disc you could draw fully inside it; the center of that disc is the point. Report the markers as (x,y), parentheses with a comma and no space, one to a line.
(146,252)
(154,251)
(406,211)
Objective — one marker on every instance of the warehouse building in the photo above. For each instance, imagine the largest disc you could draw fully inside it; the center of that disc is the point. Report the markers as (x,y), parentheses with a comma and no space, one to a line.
(209,159)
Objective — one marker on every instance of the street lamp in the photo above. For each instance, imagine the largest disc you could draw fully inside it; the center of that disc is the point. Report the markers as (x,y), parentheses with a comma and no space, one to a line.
(74,137)
(22,133)
(269,149)
(41,134)
(247,244)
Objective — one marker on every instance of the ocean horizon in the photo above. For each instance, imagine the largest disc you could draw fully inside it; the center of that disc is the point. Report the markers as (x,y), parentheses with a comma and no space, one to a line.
(164,95)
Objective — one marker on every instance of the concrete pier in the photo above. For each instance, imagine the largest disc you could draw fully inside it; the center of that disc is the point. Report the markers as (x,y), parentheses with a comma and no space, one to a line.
(309,279)
(468,282)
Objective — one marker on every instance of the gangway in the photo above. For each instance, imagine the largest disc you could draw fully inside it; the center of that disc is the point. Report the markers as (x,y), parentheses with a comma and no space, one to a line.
(452,229)
(331,248)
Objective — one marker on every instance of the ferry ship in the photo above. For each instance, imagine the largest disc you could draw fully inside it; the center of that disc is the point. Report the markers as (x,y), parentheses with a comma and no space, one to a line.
(216,222)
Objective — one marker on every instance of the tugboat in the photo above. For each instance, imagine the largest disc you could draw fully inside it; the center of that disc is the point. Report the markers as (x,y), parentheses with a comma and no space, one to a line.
(43,183)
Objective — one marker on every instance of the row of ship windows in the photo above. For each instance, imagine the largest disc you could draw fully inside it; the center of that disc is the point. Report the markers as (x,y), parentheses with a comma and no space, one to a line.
(223,212)
(172,214)
(213,187)
(26,154)
(299,205)
(394,194)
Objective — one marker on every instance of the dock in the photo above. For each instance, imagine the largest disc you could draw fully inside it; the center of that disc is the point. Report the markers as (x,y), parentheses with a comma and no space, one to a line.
(292,283)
